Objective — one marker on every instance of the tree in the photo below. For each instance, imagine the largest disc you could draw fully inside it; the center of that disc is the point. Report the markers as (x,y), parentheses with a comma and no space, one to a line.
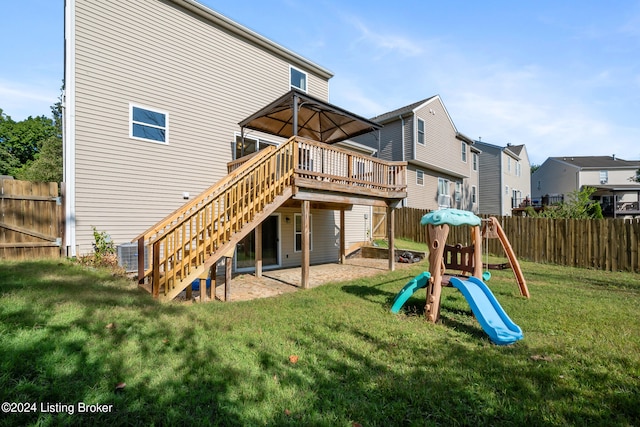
(47,165)
(577,205)
(32,148)
(534,168)
(636,178)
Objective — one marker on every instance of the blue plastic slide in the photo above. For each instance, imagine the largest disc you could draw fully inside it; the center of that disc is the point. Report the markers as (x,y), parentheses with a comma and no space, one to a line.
(414,284)
(493,319)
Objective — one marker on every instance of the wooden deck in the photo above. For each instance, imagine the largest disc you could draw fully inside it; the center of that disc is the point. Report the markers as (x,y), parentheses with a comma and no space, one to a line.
(186,244)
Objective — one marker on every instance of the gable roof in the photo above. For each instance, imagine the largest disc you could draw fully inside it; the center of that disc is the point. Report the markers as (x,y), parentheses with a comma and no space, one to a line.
(393,115)
(514,151)
(252,36)
(599,162)
(316,119)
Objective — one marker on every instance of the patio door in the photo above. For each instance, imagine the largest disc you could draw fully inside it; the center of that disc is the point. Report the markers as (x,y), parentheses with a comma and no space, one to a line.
(246,248)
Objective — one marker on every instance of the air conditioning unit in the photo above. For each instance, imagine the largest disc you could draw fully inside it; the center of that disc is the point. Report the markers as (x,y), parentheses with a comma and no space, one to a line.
(128,257)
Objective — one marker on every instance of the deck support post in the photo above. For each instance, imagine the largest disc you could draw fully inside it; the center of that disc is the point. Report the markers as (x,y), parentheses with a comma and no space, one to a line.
(258,248)
(212,274)
(228,262)
(305,244)
(343,258)
(391,237)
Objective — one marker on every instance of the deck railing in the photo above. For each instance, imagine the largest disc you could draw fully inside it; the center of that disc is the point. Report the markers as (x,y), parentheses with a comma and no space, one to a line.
(337,165)
(182,244)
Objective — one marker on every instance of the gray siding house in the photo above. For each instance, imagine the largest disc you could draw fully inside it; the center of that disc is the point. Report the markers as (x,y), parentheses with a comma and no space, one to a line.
(505,178)
(611,176)
(154,92)
(443,164)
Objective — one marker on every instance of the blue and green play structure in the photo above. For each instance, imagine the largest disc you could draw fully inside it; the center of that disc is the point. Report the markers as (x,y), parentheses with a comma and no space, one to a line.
(486,308)
(418,282)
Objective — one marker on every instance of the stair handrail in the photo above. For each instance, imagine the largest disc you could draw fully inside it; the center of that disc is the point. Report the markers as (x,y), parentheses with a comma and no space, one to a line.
(229,179)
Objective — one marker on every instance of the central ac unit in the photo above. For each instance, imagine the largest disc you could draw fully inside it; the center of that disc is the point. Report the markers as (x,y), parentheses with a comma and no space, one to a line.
(128,257)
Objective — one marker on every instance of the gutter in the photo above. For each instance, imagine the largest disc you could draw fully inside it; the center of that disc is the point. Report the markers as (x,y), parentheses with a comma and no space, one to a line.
(69,128)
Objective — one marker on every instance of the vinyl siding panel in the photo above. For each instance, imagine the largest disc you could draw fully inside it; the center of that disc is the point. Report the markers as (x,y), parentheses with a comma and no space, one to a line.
(442,149)
(325,238)
(156,55)
(556,178)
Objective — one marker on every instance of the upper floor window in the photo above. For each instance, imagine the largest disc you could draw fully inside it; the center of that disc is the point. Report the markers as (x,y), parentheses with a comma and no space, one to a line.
(473,194)
(420,131)
(604,177)
(475,162)
(298,79)
(518,168)
(419,177)
(151,125)
(508,164)
(249,145)
(464,152)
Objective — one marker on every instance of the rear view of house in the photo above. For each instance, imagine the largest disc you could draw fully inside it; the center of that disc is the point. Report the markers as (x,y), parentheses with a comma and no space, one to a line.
(442,169)
(611,176)
(505,178)
(198,139)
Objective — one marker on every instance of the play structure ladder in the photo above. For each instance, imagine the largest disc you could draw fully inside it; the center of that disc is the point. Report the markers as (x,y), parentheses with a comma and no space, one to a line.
(187,243)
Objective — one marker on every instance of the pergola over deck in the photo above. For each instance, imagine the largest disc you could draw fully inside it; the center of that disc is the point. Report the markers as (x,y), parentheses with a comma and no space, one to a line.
(320,180)
(305,172)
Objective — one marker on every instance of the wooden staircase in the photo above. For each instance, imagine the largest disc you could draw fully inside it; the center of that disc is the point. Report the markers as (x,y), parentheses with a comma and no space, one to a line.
(186,244)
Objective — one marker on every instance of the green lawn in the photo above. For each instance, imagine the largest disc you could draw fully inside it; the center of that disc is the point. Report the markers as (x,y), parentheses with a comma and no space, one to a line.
(70,334)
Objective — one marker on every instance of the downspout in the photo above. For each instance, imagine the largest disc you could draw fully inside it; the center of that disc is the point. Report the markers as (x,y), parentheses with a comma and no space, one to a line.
(69,129)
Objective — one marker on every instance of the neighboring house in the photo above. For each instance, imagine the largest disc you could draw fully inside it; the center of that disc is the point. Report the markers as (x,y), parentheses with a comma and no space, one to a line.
(154,93)
(558,177)
(505,178)
(443,164)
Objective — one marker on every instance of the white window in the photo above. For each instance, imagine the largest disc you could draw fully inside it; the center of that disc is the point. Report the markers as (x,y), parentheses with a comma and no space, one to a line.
(298,79)
(473,194)
(419,177)
(148,124)
(475,162)
(508,164)
(249,145)
(458,193)
(444,199)
(464,152)
(506,190)
(604,177)
(420,131)
(297,220)
(518,168)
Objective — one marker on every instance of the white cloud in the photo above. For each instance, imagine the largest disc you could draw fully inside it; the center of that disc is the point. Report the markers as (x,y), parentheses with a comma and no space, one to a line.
(384,43)
(20,101)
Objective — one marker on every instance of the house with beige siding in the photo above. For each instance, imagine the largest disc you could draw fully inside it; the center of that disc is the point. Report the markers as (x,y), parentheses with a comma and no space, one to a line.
(154,94)
(611,176)
(505,178)
(442,163)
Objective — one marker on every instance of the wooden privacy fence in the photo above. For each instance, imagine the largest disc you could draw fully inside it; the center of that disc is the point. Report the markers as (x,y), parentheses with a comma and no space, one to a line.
(605,244)
(31,221)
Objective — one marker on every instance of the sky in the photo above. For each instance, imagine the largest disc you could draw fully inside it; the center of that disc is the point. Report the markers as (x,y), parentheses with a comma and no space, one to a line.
(561,77)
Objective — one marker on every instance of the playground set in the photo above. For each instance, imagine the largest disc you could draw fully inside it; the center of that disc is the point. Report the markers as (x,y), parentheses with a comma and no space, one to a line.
(468,260)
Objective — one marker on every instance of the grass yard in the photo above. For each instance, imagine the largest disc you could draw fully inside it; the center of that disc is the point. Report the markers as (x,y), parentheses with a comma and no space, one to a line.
(329,356)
